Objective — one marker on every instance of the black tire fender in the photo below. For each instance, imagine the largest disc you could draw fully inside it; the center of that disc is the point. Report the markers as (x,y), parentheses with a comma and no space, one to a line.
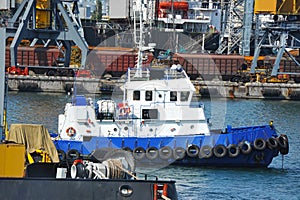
(73,154)
(205,152)
(192,151)
(220,151)
(61,155)
(259,144)
(127,149)
(233,150)
(245,147)
(152,153)
(179,153)
(272,143)
(139,153)
(165,152)
(283,144)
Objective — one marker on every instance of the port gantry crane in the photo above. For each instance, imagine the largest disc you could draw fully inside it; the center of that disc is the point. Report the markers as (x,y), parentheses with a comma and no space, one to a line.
(55,21)
(236,23)
(280,34)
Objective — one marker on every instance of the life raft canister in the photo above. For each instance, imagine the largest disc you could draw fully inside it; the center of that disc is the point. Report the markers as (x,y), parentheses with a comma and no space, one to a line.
(71,132)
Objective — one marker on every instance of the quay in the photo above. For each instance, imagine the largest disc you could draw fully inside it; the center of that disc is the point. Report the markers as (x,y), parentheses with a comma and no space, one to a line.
(212,89)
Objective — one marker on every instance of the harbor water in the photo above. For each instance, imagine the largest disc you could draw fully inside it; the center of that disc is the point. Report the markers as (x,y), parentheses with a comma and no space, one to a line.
(281,180)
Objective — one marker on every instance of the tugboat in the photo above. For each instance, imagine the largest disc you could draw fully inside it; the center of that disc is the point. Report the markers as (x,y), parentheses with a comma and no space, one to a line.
(159,123)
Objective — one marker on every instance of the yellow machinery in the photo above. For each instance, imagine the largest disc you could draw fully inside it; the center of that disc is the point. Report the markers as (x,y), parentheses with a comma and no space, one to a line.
(280,7)
(12,160)
(43,14)
(262,71)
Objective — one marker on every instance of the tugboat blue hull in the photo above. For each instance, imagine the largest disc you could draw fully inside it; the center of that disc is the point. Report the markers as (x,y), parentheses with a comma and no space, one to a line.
(238,147)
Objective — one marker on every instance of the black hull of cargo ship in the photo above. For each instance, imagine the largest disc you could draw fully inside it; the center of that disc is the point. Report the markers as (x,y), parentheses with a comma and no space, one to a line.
(47,188)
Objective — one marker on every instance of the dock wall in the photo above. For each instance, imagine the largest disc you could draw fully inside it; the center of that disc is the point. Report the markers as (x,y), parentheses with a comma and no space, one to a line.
(214,89)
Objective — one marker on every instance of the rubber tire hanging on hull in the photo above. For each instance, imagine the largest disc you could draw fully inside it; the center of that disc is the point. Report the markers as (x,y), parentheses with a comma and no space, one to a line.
(205,152)
(259,144)
(179,153)
(73,154)
(233,150)
(61,155)
(152,153)
(220,151)
(272,143)
(192,151)
(165,152)
(245,147)
(127,149)
(283,143)
(139,153)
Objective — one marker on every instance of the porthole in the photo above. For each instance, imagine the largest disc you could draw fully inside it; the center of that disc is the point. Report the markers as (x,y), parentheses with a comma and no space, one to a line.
(126,128)
(126,190)
(192,126)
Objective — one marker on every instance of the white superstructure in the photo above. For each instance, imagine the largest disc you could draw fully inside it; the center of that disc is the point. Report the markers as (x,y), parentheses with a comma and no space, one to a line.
(157,104)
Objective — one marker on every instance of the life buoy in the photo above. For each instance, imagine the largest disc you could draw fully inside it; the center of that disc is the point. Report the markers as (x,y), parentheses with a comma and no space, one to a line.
(205,151)
(179,153)
(165,152)
(220,151)
(192,151)
(283,144)
(245,147)
(259,144)
(73,154)
(272,143)
(152,153)
(139,153)
(71,132)
(61,155)
(233,150)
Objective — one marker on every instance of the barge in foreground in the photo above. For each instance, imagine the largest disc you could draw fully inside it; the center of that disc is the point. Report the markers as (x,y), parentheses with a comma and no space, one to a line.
(47,176)
(157,121)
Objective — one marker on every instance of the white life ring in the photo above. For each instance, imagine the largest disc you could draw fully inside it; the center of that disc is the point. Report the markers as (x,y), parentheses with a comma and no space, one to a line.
(71,132)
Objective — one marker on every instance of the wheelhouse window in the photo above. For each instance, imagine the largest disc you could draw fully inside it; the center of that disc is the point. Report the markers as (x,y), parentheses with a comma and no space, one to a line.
(184,95)
(148,96)
(136,95)
(173,96)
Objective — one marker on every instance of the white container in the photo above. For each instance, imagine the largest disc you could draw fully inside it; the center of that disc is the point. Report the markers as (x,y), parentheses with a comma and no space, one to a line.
(61,173)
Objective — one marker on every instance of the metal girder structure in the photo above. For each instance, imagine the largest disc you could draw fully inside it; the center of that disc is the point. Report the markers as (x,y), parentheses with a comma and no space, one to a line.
(279,36)
(247,27)
(64,28)
(231,27)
